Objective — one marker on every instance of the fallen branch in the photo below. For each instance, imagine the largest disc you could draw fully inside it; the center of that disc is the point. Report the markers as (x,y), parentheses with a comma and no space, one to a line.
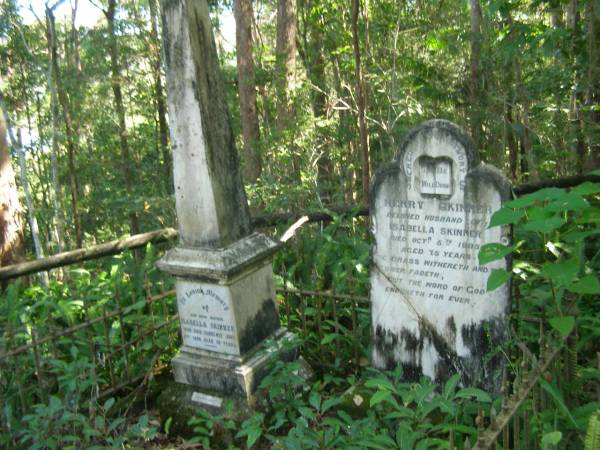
(567,182)
(84,254)
(299,218)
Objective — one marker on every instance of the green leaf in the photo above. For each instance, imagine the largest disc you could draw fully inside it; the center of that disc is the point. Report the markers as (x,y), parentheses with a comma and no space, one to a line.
(307,412)
(551,439)
(328,338)
(505,216)
(544,225)
(568,202)
(492,252)
(329,403)
(450,385)
(562,273)
(564,325)
(315,400)
(595,172)
(497,278)
(253,435)
(550,193)
(586,188)
(521,202)
(379,396)
(587,285)
(480,395)
(380,383)
(108,404)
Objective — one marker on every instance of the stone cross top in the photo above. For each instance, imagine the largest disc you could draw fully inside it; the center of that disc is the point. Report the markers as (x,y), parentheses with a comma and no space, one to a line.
(211,204)
(225,289)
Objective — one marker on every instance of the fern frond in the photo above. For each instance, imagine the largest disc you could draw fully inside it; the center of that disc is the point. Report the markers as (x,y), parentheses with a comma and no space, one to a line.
(592,437)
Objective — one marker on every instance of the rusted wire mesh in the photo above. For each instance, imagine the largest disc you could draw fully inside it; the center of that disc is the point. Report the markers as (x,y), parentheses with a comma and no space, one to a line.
(123,340)
(105,346)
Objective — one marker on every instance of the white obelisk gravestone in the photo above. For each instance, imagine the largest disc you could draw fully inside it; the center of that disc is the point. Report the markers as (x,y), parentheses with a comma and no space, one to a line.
(225,290)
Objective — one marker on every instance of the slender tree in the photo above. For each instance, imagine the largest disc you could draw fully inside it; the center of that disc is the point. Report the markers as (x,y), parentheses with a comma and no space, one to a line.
(11,228)
(315,63)
(71,134)
(285,50)
(115,68)
(285,62)
(246,89)
(475,81)
(159,95)
(361,104)
(575,117)
(593,84)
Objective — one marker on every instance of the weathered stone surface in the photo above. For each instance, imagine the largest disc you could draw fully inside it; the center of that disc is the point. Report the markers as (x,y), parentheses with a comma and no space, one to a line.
(429,213)
(211,203)
(232,318)
(229,376)
(218,264)
(225,290)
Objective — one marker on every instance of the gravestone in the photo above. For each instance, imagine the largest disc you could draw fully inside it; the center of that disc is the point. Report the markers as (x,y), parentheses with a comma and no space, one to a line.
(430,209)
(224,281)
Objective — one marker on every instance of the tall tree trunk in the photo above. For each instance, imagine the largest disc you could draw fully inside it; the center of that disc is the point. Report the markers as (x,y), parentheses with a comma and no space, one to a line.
(11,228)
(285,61)
(593,85)
(556,20)
(33,224)
(513,148)
(247,90)
(72,144)
(120,109)
(59,214)
(575,119)
(475,81)
(361,104)
(314,61)
(159,94)
(285,50)
(528,163)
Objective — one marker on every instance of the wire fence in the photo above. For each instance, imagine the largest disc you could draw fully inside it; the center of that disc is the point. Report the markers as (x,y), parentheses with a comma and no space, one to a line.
(122,340)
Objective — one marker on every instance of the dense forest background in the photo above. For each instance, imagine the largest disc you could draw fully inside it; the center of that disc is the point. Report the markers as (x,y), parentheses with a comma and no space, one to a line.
(320,93)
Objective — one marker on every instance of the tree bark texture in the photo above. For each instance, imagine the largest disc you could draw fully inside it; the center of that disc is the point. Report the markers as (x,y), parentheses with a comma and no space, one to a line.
(84,254)
(575,119)
(593,85)
(285,55)
(72,139)
(159,94)
(115,68)
(246,88)
(11,227)
(315,66)
(361,104)
(475,81)
(212,210)
(527,158)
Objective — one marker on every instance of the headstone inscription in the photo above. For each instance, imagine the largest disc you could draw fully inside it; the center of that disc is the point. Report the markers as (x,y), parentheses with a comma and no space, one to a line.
(430,209)
(224,284)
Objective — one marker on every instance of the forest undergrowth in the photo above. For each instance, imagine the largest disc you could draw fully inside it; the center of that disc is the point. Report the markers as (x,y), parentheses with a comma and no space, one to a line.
(347,404)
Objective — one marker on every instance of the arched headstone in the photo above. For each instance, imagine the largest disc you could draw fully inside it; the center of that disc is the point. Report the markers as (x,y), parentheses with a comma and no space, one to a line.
(430,209)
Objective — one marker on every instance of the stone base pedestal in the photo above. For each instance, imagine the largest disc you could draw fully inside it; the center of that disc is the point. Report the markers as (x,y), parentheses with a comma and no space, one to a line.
(229,375)
(228,312)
